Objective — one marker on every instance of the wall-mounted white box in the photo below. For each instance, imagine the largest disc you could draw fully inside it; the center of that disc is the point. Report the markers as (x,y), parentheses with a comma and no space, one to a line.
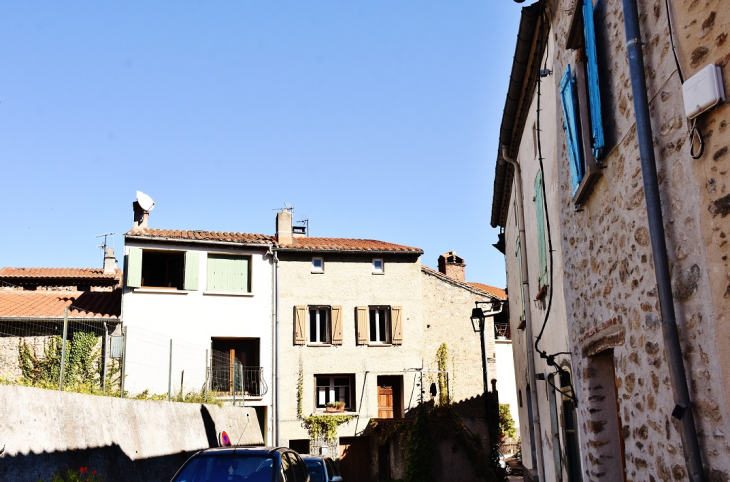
(702,91)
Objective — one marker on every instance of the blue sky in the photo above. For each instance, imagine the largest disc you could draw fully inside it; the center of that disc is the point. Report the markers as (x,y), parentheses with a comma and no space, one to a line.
(375,119)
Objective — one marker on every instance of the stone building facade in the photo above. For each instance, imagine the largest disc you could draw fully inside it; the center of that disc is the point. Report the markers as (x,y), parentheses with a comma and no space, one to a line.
(604,254)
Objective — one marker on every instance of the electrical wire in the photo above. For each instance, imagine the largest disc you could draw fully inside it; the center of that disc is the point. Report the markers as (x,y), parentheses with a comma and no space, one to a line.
(695,135)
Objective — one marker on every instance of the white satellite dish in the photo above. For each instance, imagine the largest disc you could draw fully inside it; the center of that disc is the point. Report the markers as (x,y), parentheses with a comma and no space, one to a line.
(144,201)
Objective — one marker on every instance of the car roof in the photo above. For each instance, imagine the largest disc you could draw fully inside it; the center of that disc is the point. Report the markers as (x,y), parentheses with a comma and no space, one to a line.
(244,450)
(312,457)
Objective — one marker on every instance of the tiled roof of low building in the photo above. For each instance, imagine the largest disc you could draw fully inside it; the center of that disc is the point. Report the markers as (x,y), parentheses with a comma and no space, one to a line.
(58,273)
(347,244)
(197,235)
(492,290)
(52,304)
(485,289)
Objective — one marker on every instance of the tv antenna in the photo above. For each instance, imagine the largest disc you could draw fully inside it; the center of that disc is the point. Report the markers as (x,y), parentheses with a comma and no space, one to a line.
(103,246)
(287,207)
(305,221)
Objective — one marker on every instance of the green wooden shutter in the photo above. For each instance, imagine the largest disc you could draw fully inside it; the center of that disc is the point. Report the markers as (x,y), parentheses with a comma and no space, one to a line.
(134,268)
(229,273)
(570,124)
(540,215)
(519,276)
(192,264)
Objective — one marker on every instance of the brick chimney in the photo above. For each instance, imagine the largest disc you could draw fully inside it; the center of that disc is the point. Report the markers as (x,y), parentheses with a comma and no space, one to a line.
(284,227)
(110,262)
(452,266)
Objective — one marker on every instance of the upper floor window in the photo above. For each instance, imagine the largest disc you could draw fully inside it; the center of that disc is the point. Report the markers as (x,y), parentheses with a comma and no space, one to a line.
(229,273)
(317,265)
(379,325)
(161,269)
(319,325)
(378,266)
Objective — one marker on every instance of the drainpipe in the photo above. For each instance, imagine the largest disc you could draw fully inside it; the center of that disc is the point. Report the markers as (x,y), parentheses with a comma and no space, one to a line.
(528,316)
(275,353)
(683,408)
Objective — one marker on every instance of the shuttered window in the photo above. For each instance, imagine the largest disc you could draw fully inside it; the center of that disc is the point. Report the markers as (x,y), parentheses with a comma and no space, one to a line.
(594,93)
(396,315)
(336,315)
(133,270)
(361,320)
(229,273)
(540,220)
(570,124)
(300,325)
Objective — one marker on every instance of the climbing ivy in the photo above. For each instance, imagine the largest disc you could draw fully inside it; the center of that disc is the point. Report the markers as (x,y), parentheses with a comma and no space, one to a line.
(442,357)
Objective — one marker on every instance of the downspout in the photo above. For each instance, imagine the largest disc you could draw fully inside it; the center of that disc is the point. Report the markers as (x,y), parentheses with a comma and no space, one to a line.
(277,420)
(683,408)
(528,316)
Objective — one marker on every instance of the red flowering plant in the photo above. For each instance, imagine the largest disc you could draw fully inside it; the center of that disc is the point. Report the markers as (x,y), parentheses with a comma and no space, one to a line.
(82,474)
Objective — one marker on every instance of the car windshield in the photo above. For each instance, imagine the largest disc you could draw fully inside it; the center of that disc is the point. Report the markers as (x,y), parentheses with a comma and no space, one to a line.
(316,470)
(332,468)
(213,467)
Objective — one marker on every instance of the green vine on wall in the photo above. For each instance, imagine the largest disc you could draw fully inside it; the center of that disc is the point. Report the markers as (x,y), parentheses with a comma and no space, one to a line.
(442,358)
(318,426)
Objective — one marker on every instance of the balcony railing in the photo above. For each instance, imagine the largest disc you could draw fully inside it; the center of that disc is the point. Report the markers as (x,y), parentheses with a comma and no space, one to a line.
(238,381)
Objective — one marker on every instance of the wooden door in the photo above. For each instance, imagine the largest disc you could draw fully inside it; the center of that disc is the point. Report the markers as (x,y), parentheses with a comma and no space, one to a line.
(355,459)
(385,402)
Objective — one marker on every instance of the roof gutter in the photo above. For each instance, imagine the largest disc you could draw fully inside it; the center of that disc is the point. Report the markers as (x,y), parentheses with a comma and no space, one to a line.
(264,245)
(58,319)
(347,251)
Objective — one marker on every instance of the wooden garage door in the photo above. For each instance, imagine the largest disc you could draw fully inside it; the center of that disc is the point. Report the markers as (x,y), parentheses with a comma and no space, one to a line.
(355,459)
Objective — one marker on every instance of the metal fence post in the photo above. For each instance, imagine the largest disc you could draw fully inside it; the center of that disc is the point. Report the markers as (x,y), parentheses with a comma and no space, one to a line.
(124,361)
(243,389)
(207,376)
(169,374)
(63,348)
(104,353)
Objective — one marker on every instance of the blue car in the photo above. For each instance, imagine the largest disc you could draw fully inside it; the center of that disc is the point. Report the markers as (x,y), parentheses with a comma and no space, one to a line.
(321,468)
(244,464)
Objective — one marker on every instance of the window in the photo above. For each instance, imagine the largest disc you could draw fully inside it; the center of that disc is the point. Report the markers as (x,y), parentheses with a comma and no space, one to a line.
(541,248)
(229,273)
(334,388)
(378,266)
(317,265)
(581,100)
(379,325)
(161,269)
(319,325)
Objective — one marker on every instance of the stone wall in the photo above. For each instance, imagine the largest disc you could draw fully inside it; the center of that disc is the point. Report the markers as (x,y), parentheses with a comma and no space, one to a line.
(608,268)
(46,432)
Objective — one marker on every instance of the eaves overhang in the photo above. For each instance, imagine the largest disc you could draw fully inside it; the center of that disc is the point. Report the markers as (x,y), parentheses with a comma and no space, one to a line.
(531,41)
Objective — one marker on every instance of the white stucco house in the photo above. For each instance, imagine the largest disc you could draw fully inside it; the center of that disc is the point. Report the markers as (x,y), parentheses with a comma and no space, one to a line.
(197,307)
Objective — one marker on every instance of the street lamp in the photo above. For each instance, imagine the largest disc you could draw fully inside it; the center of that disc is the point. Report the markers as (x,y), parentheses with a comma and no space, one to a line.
(478,316)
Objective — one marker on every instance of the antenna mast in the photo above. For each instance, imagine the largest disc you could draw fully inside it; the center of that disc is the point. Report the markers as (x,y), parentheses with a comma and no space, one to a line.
(103,246)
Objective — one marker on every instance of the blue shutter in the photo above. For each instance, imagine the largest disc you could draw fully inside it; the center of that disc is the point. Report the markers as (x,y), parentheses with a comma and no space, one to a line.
(594,93)
(540,220)
(570,124)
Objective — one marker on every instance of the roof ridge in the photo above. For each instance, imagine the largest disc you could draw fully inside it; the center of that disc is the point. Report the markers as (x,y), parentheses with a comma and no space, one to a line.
(462,284)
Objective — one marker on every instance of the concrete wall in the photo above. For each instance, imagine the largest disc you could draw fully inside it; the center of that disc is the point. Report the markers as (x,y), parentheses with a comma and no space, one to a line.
(347,281)
(46,432)
(191,319)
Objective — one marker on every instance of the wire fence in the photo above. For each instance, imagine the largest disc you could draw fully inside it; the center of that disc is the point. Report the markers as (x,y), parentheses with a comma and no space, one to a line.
(101,356)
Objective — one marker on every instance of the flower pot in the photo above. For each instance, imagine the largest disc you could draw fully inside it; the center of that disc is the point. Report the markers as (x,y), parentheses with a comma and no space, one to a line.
(334,409)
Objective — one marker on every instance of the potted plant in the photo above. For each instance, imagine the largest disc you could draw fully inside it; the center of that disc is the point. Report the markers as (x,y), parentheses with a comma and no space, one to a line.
(335,407)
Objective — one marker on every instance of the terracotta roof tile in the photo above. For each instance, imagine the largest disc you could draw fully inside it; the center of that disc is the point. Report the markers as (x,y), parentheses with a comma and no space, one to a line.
(486,289)
(346,244)
(219,236)
(58,273)
(497,292)
(51,304)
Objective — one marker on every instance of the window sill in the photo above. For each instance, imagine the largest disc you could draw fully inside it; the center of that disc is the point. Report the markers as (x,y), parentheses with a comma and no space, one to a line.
(321,411)
(317,272)
(585,187)
(380,344)
(227,293)
(320,344)
(375,272)
(161,291)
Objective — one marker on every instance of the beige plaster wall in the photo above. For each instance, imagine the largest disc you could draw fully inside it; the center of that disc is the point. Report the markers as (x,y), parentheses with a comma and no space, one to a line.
(347,281)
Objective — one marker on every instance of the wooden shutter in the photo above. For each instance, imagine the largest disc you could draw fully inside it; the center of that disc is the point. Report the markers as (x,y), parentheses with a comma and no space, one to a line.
(396,323)
(229,273)
(134,268)
(336,317)
(300,325)
(540,215)
(594,93)
(570,124)
(519,277)
(191,270)
(361,321)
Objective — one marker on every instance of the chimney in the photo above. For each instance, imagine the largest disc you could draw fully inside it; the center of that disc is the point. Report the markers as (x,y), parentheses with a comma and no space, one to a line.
(110,262)
(452,266)
(140,217)
(284,227)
